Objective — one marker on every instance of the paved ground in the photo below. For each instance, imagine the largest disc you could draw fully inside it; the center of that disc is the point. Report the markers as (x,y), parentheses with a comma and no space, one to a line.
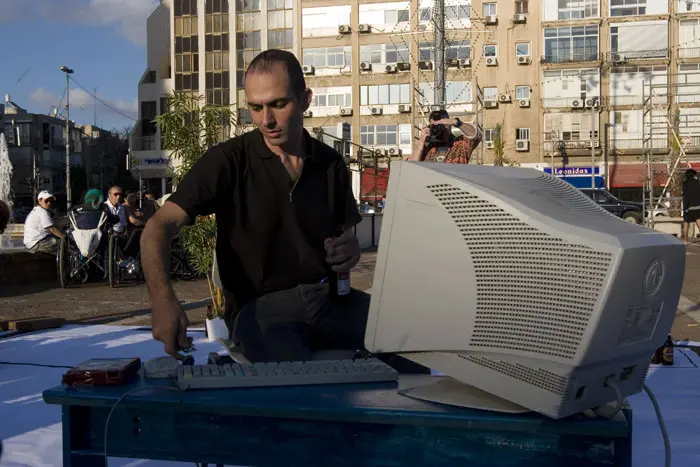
(98,304)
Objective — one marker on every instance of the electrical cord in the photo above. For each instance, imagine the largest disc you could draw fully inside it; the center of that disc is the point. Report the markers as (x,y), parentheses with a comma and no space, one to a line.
(606,411)
(662,425)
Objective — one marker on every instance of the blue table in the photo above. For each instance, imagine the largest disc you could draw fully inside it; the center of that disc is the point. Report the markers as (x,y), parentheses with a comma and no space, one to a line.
(334,425)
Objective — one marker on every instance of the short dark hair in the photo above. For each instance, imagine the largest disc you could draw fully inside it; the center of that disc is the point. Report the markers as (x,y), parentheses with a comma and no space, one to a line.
(438,115)
(266,60)
(4,216)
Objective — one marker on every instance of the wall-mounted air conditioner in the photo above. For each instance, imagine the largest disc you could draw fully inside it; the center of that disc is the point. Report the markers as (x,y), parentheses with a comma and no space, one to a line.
(404,108)
(504,98)
(491,61)
(364,28)
(465,62)
(618,58)
(376,110)
(365,66)
(308,69)
(524,60)
(346,111)
(394,152)
(489,144)
(344,29)
(524,102)
(491,19)
(308,113)
(522,145)
(403,66)
(519,18)
(592,103)
(391,68)
(577,104)
(490,104)
(425,65)
(596,144)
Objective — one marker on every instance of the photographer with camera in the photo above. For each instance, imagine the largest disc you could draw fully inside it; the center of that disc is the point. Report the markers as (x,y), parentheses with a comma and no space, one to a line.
(437,143)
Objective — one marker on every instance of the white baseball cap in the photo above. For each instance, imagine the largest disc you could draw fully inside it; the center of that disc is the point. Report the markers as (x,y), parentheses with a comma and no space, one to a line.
(44,195)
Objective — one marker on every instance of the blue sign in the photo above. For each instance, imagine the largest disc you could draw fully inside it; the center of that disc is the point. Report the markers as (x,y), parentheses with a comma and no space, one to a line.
(572,171)
(156,161)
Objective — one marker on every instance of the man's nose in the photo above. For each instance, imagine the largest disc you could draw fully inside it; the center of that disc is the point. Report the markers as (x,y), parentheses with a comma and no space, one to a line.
(268,117)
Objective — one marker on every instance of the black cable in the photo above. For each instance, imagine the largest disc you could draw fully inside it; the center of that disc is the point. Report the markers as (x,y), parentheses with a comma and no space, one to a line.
(37,364)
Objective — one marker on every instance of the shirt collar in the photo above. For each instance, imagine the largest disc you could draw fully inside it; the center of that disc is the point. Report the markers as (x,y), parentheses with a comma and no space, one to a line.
(310,144)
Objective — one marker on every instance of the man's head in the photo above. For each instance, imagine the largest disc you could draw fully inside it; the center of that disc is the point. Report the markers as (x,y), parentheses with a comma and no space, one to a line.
(4,216)
(437,115)
(277,96)
(46,200)
(132,200)
(115,195)
(148,195)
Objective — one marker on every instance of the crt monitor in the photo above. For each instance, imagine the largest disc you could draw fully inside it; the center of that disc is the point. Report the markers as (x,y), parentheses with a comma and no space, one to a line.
(516,283)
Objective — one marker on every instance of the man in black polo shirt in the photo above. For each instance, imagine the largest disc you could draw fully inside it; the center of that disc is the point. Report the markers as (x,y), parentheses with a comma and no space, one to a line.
(278,196)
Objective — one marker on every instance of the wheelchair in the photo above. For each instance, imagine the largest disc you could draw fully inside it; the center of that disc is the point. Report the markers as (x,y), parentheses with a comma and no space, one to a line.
(81,249)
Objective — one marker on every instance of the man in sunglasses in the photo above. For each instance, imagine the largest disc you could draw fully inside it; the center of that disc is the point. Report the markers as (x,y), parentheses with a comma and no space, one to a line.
(114,207)
(40,231)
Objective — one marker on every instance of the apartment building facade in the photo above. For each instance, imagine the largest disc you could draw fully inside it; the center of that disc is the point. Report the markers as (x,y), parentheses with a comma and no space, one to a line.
(564,79)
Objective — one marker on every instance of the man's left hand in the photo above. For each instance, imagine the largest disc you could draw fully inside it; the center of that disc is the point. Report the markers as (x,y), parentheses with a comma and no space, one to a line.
(342,252)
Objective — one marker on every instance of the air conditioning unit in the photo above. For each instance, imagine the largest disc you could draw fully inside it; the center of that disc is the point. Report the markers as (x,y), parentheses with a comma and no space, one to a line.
(391,69)
(504,98)
(376,110)
(394,152)
(596,144)
(465,63)
(378,152)
(524,102)
(344,29)
(404,108)
(403,66)
(524,60)
(308,69)
(577,104)
(452,63)
(520,19)
(618,58)
(491,19)
(491,104)
(592,103)
(491,61)
(365,66)
(346,111)
(308,114)
(522,145)
(489,144)
(425,65)
(364,28)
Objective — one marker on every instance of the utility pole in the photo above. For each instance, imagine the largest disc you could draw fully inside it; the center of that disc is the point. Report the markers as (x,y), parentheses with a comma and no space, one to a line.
(592,147)
(68,72)
(439,25)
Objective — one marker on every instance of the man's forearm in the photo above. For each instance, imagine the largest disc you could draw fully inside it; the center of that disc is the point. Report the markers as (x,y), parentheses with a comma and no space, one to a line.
(155,258)
(418,152)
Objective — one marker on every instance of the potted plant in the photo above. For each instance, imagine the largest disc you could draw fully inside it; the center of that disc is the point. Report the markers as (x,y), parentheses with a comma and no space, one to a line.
(188,129)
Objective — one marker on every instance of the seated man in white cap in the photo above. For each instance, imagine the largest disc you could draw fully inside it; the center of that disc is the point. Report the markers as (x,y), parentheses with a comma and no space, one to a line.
(40,231)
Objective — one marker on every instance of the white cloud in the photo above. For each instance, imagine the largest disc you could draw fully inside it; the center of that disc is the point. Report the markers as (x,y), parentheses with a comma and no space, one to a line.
(126,16)
(82,100)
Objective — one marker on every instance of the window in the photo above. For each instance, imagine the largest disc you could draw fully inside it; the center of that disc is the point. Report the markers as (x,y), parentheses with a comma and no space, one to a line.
(522,92)
(522,49)
(279,23)
(521,7)
(570,9)
(381,54)
(569,126)
(384,94)
(522,134)
(385,14)
(426,51)
(324,21)
(332,97)
(640,39)
(185,7)
(685,6)
(488,134)
(561,86)
(458,49)
(243,6)
(328,57)
(489,9)
(628,7)
(689,38)
(491,93)
(455,91)
(247,47)
(457,13)
(385,135)
(186,46)
(216,61)
(491,50)
(571,44)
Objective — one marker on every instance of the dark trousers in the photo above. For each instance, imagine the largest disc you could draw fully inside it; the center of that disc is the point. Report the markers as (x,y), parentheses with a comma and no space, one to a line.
(292,324)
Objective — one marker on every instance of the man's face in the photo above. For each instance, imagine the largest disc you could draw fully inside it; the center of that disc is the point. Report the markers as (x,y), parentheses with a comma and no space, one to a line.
(446,125)
(275,109)
(47,203)
(115,196)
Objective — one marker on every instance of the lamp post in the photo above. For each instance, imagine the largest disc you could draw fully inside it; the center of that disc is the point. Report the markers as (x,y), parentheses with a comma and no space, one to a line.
(68,72)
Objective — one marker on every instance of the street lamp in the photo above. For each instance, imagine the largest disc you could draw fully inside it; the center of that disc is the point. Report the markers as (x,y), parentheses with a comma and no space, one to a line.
(68,72)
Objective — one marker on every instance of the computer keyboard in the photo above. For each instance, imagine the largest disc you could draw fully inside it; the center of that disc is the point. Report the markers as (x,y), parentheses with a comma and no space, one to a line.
(238,375)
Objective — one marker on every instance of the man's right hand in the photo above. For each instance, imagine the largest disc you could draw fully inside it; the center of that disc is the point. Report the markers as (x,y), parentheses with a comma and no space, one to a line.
(169,324)
(424,133)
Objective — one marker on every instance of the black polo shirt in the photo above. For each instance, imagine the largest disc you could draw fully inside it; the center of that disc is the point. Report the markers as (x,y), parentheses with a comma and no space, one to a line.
(270,230)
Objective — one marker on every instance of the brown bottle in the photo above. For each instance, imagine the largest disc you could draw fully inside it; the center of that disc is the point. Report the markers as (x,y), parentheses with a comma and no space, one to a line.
(667,352)
(339,282)
(657,357)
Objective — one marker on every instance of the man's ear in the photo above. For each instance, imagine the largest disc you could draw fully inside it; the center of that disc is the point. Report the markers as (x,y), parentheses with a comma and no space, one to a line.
(306,99)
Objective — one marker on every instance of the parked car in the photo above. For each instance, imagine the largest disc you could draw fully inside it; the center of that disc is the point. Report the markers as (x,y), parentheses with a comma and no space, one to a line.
(629,211)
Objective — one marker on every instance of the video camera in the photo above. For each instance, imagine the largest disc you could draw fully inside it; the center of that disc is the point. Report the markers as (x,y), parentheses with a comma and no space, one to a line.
(439,136)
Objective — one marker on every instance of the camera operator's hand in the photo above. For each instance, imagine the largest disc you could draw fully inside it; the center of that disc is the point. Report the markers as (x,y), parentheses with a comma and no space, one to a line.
(418,151)
(424,133)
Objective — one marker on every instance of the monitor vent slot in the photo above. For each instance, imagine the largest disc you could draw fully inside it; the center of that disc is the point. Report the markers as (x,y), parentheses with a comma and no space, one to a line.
(535,292)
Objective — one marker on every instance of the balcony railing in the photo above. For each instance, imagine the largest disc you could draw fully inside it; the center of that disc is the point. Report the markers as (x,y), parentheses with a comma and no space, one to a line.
(689,52)
(635,100)
(637,143)
(655,54)
(565,102)
(571,57)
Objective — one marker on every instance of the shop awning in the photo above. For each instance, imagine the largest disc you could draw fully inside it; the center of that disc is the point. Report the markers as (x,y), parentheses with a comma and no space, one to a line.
(632,175)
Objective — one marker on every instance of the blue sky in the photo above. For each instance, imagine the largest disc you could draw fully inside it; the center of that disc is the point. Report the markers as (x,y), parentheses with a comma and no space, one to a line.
(103,41)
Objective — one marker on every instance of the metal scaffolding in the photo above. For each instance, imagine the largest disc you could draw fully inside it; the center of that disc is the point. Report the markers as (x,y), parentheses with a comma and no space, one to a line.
(663,119)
